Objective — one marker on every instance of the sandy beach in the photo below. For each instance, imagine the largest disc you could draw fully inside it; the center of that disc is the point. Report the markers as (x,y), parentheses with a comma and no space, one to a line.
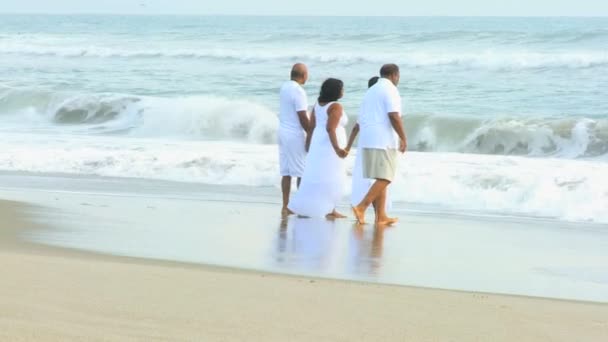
(141,154)
(56,294)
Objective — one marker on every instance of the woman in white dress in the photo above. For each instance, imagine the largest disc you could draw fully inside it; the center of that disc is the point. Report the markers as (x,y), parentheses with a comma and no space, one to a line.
(324,178)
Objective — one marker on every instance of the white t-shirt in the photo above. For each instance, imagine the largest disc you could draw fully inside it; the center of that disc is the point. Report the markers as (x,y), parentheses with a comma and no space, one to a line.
(375,124)
(293,100)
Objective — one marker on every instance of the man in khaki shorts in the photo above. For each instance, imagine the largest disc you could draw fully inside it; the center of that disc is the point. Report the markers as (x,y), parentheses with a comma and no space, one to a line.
(381,138)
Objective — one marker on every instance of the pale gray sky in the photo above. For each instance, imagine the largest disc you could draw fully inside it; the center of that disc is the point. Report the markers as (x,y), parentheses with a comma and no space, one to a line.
(316,7)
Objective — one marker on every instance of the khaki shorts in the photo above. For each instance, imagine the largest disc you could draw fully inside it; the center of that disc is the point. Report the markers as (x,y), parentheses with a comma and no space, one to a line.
(379,164)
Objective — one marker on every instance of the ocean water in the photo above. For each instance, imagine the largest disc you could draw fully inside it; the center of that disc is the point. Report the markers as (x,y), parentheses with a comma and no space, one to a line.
(505,115)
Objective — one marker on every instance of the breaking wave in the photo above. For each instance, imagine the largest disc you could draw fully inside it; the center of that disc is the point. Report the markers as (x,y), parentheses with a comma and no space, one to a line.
(217,118)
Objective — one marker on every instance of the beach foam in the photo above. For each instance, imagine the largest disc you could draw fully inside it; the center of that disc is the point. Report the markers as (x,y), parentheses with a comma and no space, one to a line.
(572,190)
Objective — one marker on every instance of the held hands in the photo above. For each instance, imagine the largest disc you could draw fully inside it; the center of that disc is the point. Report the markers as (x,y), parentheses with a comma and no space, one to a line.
(342,153)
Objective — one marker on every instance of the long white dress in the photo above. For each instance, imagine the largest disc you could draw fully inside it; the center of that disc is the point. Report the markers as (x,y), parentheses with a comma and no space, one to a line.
(324,179)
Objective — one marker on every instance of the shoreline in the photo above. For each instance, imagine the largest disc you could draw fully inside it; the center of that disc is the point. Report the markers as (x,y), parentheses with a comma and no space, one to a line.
(247,304)
(234,228)
(23,246)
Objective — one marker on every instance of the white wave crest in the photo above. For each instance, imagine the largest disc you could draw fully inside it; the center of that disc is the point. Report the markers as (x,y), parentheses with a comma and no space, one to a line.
(202,117)
(573,137)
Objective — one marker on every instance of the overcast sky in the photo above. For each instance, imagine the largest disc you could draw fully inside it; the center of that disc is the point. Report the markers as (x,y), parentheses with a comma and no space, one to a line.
(315,7)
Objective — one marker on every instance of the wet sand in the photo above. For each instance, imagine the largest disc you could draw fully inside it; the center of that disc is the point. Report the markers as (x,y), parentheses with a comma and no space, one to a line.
(55,294)
(240,227)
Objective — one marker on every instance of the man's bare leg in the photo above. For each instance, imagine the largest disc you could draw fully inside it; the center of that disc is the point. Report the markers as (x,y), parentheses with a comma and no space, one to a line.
(382,218)
(286,188)
(373,193)
(375,205)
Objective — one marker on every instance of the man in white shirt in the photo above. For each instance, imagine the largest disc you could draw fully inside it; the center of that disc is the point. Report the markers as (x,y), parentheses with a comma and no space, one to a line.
(381,136)
(294,124)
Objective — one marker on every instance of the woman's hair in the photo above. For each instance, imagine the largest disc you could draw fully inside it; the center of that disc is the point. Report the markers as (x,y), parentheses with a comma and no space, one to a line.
(372,81)
(331,90)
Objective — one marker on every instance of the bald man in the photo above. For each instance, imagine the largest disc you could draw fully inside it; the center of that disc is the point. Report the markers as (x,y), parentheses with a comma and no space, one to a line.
(293,129)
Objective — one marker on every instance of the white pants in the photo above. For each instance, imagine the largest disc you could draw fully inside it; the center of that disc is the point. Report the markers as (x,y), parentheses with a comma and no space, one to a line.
(292,153)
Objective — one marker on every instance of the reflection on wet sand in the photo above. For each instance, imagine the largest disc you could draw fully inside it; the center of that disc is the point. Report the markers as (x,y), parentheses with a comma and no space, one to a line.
(488,254)
(367,248)
(307,245)
(323,246)
(282,239)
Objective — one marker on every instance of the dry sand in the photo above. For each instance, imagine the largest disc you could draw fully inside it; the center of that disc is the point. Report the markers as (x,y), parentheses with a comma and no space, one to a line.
(50,294)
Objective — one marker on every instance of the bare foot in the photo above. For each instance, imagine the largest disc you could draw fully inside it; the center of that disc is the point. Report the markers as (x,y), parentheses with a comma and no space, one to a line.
(387,221)
(359,215)
(336,215)
(286,212)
